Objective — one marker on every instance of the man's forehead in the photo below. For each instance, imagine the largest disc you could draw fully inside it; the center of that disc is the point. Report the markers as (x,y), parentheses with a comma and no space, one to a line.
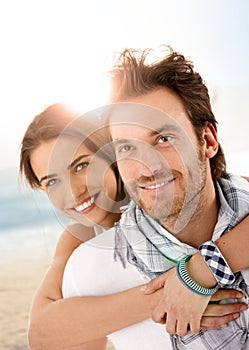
(135,118)
(139,115)
(135,112)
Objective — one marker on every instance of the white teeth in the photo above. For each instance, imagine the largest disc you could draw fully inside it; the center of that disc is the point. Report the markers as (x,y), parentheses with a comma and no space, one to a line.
(85,205)
(154,187)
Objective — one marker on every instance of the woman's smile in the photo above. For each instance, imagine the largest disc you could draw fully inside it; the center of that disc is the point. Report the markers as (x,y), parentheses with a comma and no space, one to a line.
(86,205)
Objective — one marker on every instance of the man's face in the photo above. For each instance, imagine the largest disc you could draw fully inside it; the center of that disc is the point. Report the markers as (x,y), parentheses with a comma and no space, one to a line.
(159,158)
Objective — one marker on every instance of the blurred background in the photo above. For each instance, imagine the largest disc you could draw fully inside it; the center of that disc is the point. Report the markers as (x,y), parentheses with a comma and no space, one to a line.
(59,51)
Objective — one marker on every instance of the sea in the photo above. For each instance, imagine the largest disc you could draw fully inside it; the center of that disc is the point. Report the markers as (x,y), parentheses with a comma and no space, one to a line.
(27,218)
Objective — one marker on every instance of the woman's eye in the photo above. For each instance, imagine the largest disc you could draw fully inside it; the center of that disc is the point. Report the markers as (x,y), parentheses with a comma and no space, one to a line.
(52,182)
(81,166)
(164,139)
(126,148)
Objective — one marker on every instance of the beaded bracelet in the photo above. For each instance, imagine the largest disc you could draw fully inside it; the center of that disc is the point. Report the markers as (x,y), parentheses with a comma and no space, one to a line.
(187,281)
(217,264)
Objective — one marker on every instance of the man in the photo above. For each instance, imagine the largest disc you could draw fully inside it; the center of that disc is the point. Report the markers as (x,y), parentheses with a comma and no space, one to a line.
(164,134)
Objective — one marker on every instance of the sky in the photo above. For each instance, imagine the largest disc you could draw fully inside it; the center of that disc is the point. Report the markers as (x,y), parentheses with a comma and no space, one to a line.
(59,51)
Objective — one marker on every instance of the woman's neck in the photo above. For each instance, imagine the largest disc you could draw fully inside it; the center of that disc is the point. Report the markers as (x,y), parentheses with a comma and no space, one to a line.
(110,220)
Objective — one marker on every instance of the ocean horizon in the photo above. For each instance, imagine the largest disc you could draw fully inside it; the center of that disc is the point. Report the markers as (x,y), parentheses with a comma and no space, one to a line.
(22,207)
(28,221)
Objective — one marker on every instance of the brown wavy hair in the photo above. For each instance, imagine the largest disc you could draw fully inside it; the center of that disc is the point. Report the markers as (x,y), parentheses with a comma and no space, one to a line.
(133,75)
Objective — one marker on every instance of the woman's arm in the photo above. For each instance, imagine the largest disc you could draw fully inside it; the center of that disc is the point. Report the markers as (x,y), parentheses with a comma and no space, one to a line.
(57,323)
(234,242)
(44,306)
(184,307)
(74,321)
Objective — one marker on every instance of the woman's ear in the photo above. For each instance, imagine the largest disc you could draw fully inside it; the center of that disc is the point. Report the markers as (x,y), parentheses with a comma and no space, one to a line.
(211,141)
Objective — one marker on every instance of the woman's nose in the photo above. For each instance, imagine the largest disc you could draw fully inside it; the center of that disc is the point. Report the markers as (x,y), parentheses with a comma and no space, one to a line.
(77,186)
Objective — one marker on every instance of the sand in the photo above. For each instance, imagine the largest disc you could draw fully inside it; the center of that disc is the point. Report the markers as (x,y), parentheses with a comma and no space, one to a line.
(19,280)
(21,269)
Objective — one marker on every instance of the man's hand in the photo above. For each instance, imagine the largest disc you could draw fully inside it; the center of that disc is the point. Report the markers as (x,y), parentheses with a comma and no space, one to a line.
(185,310)
(219,315)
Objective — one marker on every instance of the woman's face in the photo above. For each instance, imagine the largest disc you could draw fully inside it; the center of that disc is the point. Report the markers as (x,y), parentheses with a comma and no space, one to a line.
(79,183)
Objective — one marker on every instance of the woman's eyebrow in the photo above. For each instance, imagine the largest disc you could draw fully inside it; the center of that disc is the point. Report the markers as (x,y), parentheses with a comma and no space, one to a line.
(121,141)
(77,160)
(46,177)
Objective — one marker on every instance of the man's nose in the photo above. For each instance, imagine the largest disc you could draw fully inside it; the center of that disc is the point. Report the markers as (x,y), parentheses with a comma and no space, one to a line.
(149,161)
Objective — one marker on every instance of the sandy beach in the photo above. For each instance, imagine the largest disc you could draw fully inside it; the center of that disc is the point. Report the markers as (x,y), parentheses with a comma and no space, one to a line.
(24,260)
(19,279)
(20,273)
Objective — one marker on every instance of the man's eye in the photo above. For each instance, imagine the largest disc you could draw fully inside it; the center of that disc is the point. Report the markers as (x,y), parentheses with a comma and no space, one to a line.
(52,182)
(164,139)
(80,166)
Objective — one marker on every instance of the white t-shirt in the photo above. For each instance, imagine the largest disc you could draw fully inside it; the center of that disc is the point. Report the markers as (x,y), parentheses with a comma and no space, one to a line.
(83,232)
(91,271)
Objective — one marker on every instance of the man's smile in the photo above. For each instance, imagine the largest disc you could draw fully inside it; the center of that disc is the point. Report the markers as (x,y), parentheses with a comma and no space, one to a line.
(157,185)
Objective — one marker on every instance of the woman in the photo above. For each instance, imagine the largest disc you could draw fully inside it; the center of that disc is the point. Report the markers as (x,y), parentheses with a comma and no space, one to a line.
(46,137)
(57,323)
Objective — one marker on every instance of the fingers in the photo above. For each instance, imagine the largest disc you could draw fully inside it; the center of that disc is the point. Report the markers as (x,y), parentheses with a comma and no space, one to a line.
(209,323)
(224,314)
(181,327)
(171,324)
(216,316)
(154,285)
(219,315)
(224,309)
(195,326)
(159,314)
(176,325)
(226,294)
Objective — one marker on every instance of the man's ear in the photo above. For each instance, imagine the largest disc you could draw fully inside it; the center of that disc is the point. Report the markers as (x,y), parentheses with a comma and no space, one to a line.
(211,141)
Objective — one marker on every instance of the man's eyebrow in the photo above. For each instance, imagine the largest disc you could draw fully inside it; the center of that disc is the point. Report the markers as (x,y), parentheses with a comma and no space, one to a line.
(153,132)
(46,177)
(77,160)
(164,128)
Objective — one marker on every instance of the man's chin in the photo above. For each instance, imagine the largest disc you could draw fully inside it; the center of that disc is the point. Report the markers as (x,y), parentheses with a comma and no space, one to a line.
(155,212)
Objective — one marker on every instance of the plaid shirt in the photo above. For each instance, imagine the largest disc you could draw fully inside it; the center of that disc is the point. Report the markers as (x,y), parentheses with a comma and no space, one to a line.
(144,243)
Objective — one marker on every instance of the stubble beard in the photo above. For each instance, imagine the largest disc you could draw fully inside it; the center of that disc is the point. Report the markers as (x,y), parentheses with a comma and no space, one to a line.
(174,208)
(161,204)
(190,207)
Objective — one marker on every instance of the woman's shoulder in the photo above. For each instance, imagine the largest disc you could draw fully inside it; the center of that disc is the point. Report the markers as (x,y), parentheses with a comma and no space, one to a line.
(82,232)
